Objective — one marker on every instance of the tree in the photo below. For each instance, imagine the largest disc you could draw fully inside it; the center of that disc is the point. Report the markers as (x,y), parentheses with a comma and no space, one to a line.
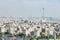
(31,38)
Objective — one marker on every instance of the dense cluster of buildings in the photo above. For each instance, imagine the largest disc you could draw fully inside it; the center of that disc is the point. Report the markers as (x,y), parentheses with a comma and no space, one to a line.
(30,26)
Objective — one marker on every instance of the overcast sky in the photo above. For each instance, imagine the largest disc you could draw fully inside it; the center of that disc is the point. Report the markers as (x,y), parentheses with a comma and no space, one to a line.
(27,8)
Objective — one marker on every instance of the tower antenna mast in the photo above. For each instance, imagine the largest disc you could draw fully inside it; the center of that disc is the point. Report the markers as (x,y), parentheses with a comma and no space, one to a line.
(43,13)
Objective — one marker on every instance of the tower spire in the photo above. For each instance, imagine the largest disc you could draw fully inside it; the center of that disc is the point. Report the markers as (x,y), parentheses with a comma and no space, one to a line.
(43,13)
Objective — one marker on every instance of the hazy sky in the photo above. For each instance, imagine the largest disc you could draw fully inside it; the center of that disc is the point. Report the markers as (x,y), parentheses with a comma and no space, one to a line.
(27,8)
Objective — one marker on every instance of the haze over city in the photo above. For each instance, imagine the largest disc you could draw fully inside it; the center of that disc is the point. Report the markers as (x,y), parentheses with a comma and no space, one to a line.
(27,8)
(29,19)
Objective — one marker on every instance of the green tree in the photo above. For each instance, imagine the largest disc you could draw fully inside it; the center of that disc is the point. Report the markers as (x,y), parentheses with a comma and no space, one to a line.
(31,38)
